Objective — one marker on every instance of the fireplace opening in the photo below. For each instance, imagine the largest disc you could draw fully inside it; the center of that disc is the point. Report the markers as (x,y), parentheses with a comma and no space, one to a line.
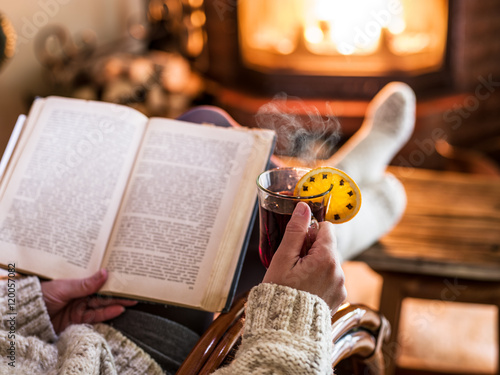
(343,38)
(329,48)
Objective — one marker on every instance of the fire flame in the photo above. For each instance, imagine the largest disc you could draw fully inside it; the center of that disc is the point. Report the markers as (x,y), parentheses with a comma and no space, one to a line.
(382,30)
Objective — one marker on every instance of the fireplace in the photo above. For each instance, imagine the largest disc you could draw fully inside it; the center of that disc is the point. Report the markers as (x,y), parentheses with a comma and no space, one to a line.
(342,38)
(295,46)
(336,55)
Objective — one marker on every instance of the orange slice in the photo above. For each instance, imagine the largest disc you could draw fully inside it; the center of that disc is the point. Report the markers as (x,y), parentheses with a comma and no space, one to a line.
(345,197)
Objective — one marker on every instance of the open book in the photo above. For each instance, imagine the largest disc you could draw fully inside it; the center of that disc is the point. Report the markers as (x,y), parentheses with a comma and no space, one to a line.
(164,205)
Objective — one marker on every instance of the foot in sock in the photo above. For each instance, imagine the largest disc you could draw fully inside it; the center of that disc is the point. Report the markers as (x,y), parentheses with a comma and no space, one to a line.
(388,125)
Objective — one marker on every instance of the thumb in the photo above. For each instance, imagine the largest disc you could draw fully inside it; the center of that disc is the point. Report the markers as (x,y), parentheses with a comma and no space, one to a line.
(75,288)
(295,232)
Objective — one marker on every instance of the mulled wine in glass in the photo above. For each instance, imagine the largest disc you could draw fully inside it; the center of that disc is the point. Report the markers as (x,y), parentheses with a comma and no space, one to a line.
(276,204)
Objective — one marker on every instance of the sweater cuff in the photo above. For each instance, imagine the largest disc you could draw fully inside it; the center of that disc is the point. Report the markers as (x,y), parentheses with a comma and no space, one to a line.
(32,318)
(277,307)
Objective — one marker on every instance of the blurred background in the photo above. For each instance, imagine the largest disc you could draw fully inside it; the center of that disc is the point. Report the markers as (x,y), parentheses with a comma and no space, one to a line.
(24,76)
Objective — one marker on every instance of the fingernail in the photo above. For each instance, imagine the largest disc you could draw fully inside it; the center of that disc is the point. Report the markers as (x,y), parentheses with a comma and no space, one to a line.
(300,209)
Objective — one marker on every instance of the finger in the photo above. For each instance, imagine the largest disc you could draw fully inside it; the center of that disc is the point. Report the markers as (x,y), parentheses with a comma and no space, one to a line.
(75,288)
(326,240)
(103,301)
(295,233)
(102,314)
(322,255)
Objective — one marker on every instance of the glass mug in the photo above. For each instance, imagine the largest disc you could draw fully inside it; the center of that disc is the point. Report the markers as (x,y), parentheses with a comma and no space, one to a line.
(276,204)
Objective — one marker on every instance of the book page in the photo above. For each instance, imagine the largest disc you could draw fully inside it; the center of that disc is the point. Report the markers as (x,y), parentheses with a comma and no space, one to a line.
(175,211)
(65,186)
(20,141)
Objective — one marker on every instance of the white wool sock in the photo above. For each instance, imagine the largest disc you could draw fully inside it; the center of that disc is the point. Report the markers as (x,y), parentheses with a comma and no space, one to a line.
(382,206)
(388,125)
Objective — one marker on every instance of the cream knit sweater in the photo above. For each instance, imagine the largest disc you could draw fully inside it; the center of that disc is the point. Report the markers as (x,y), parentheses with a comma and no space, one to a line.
(286,332)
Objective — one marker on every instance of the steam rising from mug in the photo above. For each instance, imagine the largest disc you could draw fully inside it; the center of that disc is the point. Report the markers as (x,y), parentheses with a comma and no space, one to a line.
(301,129)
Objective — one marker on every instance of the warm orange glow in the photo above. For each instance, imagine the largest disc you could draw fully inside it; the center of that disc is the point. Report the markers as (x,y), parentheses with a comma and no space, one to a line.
(338,26)
(198,18)
(195,3)
(343,37)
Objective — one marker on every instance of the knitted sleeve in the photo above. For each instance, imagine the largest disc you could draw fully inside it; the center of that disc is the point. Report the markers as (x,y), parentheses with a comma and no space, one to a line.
(286,332)
(22,309)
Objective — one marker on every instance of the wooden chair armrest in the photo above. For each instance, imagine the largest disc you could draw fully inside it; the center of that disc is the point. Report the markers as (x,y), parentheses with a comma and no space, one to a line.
(208,345)
(358,331)
(350,316)
(359,343)
(225,346)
